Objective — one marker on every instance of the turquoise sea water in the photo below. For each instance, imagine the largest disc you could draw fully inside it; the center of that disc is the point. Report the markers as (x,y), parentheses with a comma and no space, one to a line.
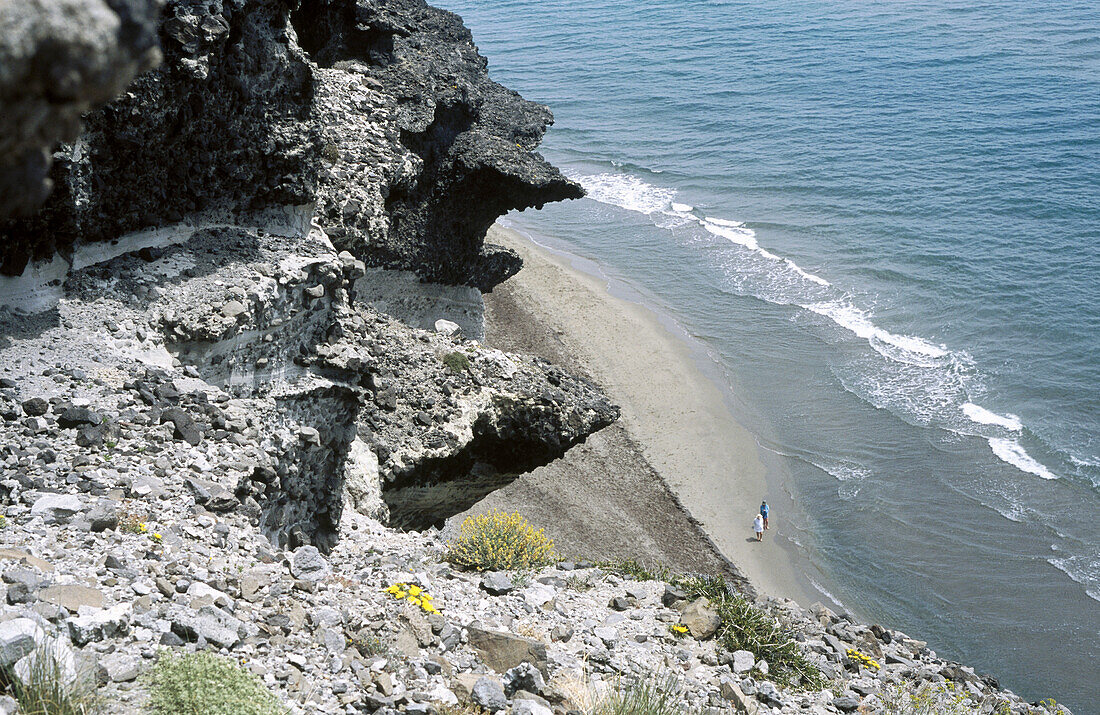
(883,222)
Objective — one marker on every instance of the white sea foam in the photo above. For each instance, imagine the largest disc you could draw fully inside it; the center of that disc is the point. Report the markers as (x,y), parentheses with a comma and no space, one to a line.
(1083,570)
(732,231)
(625,191)
(902,348)
(825,592)
(1011,452)
(808,276)
(682,208)
(982,416)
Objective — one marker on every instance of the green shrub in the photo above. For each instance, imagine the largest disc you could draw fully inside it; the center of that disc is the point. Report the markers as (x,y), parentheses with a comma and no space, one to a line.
(206,684)
(746,627)
(637,570)
(456,362)
(48,690)
(497,541)
(659,695)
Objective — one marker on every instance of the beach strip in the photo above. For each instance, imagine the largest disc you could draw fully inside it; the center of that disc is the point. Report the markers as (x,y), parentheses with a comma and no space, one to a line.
(672,414)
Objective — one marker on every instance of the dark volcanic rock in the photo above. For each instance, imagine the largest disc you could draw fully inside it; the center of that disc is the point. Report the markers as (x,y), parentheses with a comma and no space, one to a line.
(57,60)
(380,113)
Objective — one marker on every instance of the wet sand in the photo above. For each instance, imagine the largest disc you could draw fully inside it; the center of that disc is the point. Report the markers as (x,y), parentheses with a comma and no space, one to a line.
(676,448)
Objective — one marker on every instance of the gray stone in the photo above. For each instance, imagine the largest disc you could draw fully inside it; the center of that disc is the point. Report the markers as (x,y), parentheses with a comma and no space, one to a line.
(701,618)
(18,637)
(743,661)
(530,707)
(57,508)
(504,651)
(846,703)
(497,583)
(488,694)
(72,596)
(118,668)
(35,407)
(524,677)
(307,564)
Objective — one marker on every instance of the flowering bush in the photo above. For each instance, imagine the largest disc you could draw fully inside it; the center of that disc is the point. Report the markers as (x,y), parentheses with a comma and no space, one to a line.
(858,657)
(413,594)
(498,541)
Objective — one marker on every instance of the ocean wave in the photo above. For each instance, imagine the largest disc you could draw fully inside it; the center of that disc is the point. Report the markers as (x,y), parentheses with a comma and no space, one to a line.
(824,592)
(1082,570)
(625,191)
(901,348)
(1012,452)
(982,416)
(920,380)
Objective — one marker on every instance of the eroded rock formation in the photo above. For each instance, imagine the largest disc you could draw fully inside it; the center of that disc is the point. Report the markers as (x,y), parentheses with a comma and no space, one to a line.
(382,115)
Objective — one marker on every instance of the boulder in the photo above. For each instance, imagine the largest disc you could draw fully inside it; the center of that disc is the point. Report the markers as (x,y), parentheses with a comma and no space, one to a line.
(504,651)
(118,668)
(743,661)
(307,564)
(524,677)
(488,694)
(72,596)
(35,407)
(18,637)
(497,583)
(701,619)
(97,625)
(57,508)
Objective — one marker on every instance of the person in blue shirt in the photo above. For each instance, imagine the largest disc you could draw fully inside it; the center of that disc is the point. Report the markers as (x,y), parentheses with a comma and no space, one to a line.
(764,512)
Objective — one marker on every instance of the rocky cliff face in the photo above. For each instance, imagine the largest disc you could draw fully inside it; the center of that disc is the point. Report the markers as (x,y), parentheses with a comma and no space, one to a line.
(218,216)
(380,115)
(58,60)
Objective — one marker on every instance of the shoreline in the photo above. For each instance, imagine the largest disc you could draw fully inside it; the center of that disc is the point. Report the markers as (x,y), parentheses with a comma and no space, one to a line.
(708,462)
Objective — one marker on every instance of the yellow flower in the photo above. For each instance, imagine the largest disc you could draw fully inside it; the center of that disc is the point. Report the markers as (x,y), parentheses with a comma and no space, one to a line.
(414,590)
(414,601)
(399,595)
(156,537)
(143,527)
(392,589)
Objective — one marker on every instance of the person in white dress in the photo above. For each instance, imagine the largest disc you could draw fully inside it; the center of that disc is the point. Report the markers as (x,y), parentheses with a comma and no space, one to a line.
(758,527)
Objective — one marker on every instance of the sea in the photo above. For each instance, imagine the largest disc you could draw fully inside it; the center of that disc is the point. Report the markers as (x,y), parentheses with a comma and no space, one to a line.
(881,220)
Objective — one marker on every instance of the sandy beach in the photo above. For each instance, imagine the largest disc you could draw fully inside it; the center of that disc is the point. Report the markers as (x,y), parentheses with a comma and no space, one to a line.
(676,448)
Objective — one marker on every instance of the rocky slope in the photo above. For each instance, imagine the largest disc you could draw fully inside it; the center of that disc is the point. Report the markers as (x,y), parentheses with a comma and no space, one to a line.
(209,431)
